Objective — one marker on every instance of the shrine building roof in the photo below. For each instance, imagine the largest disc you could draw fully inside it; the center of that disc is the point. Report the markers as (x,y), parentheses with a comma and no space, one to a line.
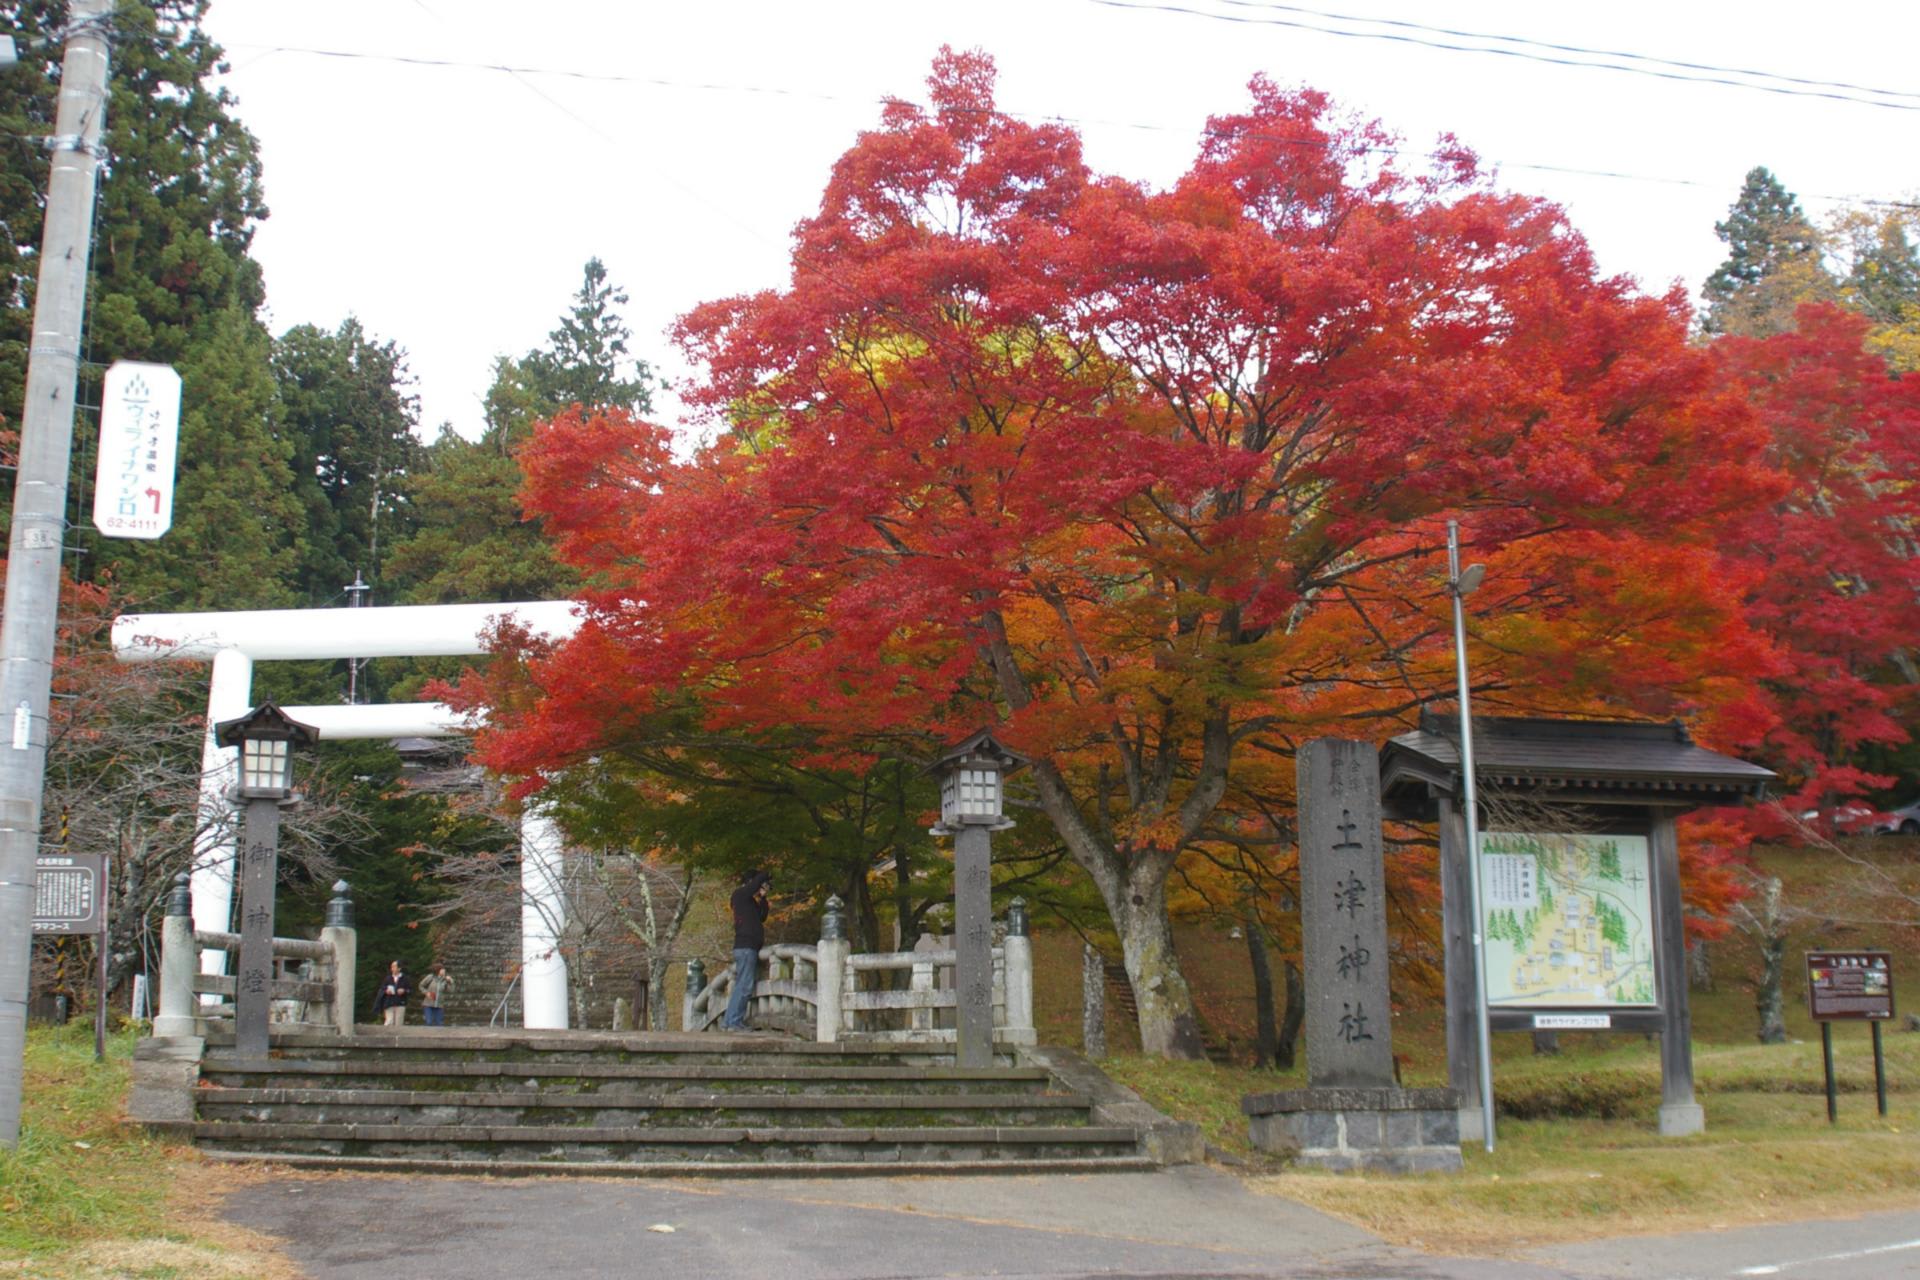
(1610,762)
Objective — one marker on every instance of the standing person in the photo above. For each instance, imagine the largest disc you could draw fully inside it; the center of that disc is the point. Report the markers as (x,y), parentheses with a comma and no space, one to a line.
(749,935)
(391,1003)
(433,988)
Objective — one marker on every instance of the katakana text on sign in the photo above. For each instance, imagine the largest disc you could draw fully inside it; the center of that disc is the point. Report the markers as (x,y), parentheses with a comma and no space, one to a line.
(139,440)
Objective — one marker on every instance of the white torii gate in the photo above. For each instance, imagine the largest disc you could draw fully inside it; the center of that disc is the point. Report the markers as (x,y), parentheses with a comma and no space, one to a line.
(233,642)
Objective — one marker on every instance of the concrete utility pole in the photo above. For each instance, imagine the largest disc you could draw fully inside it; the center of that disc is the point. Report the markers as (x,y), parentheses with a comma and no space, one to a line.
(39,518)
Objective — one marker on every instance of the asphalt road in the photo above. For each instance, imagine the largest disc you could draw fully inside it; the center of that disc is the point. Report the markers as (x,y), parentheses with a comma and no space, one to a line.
(1187,1222)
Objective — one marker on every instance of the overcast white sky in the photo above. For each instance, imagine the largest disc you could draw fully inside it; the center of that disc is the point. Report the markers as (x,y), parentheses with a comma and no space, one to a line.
(451,208)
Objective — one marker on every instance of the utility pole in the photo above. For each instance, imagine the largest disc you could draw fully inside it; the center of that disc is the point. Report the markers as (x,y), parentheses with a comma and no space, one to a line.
(27,626)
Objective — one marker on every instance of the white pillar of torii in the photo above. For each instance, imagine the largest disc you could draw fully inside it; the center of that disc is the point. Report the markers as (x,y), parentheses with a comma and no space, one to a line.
(233,642)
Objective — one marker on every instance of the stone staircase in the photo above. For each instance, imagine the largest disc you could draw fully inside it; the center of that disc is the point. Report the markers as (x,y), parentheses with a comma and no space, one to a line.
(652,1103)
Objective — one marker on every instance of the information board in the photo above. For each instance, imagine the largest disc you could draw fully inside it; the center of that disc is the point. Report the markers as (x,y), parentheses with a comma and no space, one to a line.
(1568,919)
(1849,984)
(67,897)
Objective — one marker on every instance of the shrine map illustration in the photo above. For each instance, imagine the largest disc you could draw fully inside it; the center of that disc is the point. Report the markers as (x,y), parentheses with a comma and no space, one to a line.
(1568,919)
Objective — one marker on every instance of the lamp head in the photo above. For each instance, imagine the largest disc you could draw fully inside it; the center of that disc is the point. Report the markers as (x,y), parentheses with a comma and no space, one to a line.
(267,737)
(970,783)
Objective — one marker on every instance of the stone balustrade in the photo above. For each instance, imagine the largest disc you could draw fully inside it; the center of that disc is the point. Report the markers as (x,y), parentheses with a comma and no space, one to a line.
(318,996)
(867,1002)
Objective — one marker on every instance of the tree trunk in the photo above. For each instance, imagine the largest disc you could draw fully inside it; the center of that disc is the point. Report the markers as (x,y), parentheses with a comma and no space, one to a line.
(1700,966)
(902,900)
(1168,1025)
(1133,883)
(1266,1036)
(1296,1014)
(659,965)
(860,911)
(1767,997)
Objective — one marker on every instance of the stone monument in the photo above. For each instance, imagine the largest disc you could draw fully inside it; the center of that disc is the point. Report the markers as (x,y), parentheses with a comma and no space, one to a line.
(1351,1115)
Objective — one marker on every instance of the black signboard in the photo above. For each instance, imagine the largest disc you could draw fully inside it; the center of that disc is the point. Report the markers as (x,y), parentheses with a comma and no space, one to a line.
(1849,984)
(67,897)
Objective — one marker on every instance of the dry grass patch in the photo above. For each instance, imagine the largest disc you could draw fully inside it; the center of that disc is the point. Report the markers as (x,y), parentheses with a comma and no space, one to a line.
(87,1196)
(1764,1158)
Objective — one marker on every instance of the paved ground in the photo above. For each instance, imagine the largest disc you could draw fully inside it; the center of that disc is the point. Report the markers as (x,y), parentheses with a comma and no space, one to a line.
(1190,1222)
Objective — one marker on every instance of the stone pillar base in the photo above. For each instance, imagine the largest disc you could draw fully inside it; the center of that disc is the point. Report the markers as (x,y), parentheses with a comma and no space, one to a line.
(1381,1129)
(166,1074)
(1679,1119)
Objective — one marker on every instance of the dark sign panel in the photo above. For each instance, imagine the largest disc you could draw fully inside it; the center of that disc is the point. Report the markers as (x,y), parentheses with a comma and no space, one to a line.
(1849,984)
(67,897)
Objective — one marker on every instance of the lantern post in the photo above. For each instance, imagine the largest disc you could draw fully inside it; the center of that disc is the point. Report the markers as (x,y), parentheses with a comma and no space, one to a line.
(971,809)
(267,738)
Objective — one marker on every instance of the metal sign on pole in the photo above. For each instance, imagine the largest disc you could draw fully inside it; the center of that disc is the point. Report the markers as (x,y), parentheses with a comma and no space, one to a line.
(69,893)
(139,447)
(1850,986)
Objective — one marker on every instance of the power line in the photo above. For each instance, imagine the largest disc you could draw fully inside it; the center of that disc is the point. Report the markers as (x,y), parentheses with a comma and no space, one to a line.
(1523,55)
(520,72)
(1572,48)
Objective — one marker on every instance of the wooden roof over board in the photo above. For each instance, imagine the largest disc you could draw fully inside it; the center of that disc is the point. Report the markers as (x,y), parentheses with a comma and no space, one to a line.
(1610,762)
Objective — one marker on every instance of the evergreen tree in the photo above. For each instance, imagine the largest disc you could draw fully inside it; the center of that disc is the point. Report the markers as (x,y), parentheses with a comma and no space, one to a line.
(349,421)
(172,283)
(1884,280)
(588,362)
(1773,262)
(471,542)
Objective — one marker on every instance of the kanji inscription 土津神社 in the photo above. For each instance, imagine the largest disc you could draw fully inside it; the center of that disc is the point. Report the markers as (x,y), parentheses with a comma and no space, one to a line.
(1351,1115)
(1343,916)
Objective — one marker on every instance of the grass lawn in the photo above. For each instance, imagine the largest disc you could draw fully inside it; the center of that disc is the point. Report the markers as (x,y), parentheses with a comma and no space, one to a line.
(1579,1155)
(86,1196)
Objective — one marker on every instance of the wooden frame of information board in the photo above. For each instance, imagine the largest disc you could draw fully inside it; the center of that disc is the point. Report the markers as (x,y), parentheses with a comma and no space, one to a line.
(1609,777)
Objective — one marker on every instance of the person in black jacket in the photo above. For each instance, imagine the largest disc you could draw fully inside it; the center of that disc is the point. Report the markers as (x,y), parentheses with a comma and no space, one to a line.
(749,935)
(391,1003)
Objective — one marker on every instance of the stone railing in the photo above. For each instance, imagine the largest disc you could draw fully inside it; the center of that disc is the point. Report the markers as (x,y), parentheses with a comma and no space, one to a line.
(867,1001)
(312,987)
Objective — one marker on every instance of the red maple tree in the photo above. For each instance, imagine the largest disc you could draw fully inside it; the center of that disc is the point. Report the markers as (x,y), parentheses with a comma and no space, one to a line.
(1153,481)
(1833,578)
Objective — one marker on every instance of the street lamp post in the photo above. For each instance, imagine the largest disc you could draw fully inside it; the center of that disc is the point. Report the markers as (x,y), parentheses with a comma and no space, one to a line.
(971,809)
(1460,585)
(266,737)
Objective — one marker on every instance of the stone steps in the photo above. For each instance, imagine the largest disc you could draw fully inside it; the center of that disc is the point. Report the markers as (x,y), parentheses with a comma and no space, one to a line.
(593,1077)
(794,1146)
(514,1101)
(684,1169)
(625,1109)
(647,1048)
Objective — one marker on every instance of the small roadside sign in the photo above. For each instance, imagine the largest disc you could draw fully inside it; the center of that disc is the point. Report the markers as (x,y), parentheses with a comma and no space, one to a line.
(1849,984)
(67,893)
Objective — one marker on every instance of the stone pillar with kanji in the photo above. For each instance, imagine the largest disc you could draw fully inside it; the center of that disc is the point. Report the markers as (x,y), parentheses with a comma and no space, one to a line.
(1344,917)
(1352,1114)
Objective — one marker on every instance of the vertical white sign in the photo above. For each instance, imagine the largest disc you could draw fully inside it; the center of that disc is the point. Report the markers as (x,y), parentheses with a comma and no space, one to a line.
(139,442)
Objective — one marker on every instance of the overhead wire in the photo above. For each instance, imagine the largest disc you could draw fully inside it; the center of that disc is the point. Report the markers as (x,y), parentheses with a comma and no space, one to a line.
(520,73)
(1570,48)
(1163,6)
